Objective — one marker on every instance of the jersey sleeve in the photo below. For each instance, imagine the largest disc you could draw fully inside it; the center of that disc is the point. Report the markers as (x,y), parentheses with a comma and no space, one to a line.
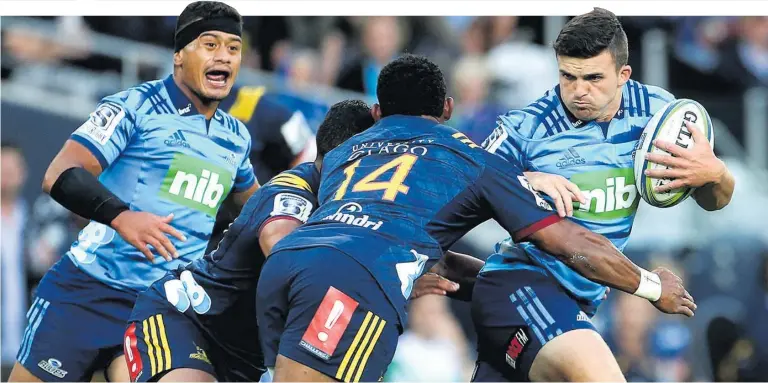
(245,177)
(108,131)
(658,97)
(288,196)
(505,141)
(512,201)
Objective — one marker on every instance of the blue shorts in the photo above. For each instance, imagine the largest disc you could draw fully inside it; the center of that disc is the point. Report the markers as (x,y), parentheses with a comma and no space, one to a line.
(515,313)
(75,325)
(160,338)
(321,308)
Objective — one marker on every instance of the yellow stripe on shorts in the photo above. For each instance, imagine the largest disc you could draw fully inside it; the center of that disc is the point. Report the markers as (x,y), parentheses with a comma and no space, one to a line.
(164,342)
(360,349)
(156,339)
(150,347)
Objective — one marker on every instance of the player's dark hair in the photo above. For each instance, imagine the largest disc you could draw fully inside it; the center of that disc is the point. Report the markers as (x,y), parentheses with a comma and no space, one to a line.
(200,10)
(413,86)
(588,35)
(343,120)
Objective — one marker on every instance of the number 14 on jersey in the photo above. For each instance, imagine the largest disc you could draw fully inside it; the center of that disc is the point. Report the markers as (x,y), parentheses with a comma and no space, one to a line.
(392,188)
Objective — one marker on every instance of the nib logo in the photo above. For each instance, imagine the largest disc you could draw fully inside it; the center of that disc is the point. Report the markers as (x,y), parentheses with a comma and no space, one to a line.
(196,184)
(610,194)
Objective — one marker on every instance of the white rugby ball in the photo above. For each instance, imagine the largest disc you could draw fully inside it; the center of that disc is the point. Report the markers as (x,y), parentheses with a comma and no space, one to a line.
(668,125)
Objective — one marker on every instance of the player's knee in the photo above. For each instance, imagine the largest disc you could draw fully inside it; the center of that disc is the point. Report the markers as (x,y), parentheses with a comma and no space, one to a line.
(289,370)
(187,375)
(576,356)
(20,374)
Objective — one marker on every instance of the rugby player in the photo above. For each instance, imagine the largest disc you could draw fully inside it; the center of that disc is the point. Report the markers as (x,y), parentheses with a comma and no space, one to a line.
(152,161)
(206,308)
(531,309)
(331,298)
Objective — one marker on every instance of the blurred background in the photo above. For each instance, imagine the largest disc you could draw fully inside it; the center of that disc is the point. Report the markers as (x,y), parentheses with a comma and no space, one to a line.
(55,69)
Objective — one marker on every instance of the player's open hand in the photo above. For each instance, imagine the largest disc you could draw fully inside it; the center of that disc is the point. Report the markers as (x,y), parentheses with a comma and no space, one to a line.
(692,167)
(674,298)
(557,187)
(431,283)
(142,229)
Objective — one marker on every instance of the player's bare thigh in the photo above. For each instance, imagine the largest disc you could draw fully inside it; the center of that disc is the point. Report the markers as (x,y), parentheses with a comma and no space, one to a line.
(288,370)
(21,374)
(187,375)
(576,356)
(118,372)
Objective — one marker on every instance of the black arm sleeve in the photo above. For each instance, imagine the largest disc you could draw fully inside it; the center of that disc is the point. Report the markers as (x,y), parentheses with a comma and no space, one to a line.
(79,191)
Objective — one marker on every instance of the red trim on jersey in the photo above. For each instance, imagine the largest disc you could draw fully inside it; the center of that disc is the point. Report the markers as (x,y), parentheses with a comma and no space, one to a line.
(131,353)
(277,218)
(330,321)
(530,229)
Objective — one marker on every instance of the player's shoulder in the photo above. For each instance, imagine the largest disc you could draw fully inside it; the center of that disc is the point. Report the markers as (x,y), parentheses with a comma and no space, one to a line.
(304,177)
(144,99)
(645,100)
(235,125)
(539,119)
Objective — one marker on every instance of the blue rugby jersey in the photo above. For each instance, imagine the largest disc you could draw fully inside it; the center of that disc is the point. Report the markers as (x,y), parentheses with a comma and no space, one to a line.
(160,156)
(598,157)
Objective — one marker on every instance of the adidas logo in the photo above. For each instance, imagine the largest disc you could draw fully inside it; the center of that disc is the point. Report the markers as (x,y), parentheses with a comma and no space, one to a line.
(582,317)
(177,139)
(571,158)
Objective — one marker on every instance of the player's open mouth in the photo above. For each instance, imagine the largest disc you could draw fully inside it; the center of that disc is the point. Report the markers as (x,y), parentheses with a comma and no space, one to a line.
(217,77)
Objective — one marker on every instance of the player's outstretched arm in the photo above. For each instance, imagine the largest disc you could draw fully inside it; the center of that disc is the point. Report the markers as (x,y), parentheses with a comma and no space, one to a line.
(596,258)
(71,181)
(695,167)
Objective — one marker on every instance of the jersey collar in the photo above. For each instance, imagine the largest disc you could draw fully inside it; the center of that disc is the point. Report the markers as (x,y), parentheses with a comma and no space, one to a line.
(579,123)
(181,103)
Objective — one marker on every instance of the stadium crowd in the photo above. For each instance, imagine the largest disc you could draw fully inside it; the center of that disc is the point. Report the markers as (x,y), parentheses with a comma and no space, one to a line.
(493,64)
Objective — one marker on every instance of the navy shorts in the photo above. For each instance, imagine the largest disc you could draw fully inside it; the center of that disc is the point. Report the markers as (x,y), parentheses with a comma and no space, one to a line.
(321,308)
(160,338)
(515,313)
(75,325)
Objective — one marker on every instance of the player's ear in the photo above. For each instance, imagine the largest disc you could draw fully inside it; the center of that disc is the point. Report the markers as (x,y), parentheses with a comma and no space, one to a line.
(624,73)
(376,112)
(447,109)
(178,58)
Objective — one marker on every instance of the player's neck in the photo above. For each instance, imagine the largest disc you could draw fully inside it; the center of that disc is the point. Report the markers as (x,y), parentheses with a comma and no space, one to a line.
(206,108)
(435,119)
(612,108)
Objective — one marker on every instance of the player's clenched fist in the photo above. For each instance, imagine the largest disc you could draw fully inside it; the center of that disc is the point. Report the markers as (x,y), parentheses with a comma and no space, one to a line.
(674,298)
(142,229)
(557,187)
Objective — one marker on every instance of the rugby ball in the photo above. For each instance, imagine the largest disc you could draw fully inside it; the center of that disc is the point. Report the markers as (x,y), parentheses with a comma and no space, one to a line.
(668,125)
